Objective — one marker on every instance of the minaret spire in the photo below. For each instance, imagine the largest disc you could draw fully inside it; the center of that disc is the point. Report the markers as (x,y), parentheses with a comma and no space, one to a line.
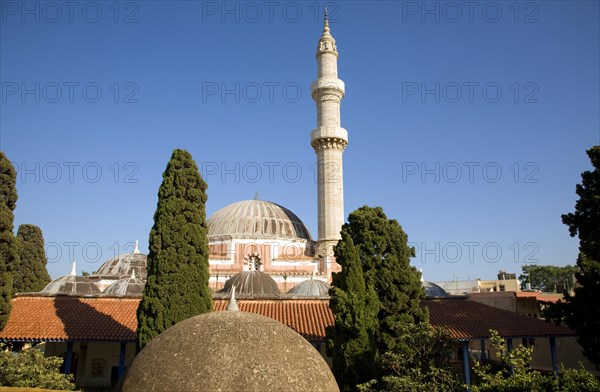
(328,140)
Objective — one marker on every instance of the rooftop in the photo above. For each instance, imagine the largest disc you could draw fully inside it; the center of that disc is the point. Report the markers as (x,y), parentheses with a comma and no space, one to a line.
(114,319)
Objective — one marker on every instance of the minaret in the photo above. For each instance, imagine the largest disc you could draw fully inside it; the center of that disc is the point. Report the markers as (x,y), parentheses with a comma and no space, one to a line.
(329,140)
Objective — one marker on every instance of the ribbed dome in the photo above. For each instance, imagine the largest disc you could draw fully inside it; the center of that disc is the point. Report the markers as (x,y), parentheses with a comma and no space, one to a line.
(72,285)
(310,288)
(126,286)
(256,219)
(123,265)
(250,284)
(432,290)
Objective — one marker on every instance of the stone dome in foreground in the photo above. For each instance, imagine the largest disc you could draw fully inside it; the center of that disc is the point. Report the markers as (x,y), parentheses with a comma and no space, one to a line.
(256,219)
(229,351)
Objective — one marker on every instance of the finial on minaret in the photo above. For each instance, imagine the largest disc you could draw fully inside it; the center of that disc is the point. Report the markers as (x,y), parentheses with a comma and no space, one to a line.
(136,250)
(326,32)
(327,42)
(232,305)
(74,269)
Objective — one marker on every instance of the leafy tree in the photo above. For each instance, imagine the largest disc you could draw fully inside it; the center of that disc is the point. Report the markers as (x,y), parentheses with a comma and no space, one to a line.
(582,310)
(548,278)
(523,377)
(424,367)
(30,274)
(31,369)
(177,285)
(9,250)
(385,256)
(350,341)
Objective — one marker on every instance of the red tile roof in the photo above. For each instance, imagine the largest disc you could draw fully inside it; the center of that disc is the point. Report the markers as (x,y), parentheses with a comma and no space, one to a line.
(71,318)
(466,319)
(307,317)
(114,319)
(548,297)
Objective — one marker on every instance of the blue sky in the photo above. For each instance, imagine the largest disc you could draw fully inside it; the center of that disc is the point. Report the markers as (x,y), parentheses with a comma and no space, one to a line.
(468,122)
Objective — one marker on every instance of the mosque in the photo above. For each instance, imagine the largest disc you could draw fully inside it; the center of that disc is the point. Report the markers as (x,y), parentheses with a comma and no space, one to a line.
(264,253)
(264,236)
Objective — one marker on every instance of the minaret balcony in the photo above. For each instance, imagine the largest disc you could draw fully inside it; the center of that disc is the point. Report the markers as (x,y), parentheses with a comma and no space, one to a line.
(338,133)
(328,84)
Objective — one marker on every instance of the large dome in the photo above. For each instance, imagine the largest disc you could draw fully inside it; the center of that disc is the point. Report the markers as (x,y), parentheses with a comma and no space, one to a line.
(256,219)
(229,351)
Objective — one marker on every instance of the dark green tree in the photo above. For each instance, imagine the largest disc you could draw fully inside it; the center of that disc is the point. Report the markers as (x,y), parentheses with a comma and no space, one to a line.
(350,341)
(582,310)
(30,274)
(9,250)
(548,278)
(177,286)
(385,256)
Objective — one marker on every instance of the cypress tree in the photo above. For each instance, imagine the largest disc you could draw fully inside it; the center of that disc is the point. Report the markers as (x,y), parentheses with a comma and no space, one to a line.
(385,255)
(177,286)
(9,251)
(350,341)
(31,274)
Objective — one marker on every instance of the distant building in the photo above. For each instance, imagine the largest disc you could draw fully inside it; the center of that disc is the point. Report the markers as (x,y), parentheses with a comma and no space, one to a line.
(505,282)
(531,304)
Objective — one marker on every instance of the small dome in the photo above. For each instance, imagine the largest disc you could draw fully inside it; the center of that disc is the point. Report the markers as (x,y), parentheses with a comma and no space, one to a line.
(310,288)
(432,290)
(126,286)
(229,351)
(123,265)
(251,284)
(71,285)
(256,219)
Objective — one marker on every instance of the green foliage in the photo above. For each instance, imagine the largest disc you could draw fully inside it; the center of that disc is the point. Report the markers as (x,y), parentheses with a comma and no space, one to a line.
(585,221)
(29,368)
(423,366)
(582,310)
(177,286)
(374,299)
(577,380)
(9,250)
(524,378)
(30,275)
(548,278)
(385,255)
(350,341)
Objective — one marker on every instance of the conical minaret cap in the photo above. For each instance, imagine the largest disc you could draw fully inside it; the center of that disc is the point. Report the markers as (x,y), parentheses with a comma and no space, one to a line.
(326,42)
